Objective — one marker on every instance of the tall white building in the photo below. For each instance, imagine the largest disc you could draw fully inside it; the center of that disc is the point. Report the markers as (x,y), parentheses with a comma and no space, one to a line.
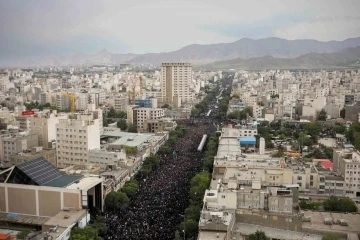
(176,79)
(75,137)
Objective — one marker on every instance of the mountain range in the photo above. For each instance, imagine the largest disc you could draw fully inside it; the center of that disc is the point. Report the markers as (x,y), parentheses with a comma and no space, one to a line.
(349,57)
(244,52)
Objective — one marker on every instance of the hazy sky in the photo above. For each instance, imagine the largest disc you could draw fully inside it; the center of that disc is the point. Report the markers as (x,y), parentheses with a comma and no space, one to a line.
(60,27)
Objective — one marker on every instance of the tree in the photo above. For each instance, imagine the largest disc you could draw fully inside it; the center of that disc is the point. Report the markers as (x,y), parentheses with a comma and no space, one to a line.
(100,225)
(23,234)
(122,124)
(86,233)
(132,128)
(177,235)
(329,152)
(111,113)
(322,115)
(121,114)
(115,201)
(193,212)
(130,188)
(258,235)
(339,204)
(341,129)
(313,128)
(130,150)
(190,226)
(195,112)
(330,236)
(165,106)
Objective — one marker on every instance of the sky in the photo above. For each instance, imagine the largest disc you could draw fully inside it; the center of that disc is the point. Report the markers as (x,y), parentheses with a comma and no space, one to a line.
(37,28)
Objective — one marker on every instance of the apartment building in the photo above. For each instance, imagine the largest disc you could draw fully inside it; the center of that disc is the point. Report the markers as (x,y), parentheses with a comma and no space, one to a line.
(74,139)
(24,122)
(176,79)
(347,164)
(14,143)
(43,125)
(33,153)
(121,102)
(139,116)
(107,160)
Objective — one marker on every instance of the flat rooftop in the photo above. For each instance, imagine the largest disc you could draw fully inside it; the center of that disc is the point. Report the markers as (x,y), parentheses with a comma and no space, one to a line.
(317,222)
(86,183)
(66,218)
(247,229)
(211,235)
(23,219)
(127,139)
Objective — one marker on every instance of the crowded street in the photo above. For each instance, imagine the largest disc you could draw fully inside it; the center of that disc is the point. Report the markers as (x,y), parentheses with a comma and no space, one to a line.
(158,207)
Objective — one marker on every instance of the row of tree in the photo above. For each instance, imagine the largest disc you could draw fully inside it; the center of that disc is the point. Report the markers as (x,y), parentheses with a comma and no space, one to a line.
(94,231)
(201,181)
(118,200)
(241,114)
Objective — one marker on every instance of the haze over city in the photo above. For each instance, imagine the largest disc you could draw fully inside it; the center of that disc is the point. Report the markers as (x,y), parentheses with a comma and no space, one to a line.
(179,120)
(37,28)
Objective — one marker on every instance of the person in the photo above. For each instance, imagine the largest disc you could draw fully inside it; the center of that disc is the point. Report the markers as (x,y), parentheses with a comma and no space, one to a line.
(157,208)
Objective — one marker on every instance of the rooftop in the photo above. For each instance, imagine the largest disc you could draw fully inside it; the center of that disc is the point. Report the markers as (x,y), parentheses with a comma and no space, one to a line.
(22,219)
(318,218)
(85,183)
(127,139)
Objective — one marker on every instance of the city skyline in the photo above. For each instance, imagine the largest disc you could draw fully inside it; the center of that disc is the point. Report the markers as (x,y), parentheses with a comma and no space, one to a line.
(45,28)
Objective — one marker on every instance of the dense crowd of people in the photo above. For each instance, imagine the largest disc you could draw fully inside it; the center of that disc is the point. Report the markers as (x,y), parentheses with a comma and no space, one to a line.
(159,205)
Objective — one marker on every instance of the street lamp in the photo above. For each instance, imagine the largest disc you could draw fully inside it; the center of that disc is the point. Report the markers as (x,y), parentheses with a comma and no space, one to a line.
(184,233)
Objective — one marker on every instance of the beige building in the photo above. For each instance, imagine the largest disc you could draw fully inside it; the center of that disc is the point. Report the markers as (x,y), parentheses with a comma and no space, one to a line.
(37,192)
(347,164)
(30,154)
(139,116)
(176,80)
(121,102)
(75,137)
(13,143)
(43,125)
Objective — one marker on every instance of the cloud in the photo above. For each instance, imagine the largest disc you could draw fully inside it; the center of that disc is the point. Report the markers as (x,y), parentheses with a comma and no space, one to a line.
(43,28)
(322,28)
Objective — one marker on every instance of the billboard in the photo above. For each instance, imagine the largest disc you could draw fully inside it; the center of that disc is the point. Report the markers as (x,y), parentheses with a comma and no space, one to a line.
(27,113)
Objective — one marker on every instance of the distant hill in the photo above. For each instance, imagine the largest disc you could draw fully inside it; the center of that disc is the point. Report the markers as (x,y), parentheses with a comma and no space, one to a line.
(345,58)
(203,54)
(247,48)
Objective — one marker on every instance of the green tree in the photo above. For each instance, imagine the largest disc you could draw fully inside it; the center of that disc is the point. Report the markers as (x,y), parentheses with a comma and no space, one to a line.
(329,152)
(100,225)
(111,113)
(130,150)
(313,128)
(121,114)
(177,235)
(23,234)
(195,112)
(322,115)
(193,212)
(258,235)
(122,124)
(331,236)
(165,106)
(339,204)
(341,129)
(86,233)
(130,188)
(200,178)
(115,201)
(190,226)
(132,128)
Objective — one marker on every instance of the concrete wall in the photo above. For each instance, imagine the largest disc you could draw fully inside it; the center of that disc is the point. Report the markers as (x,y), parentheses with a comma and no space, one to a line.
(269,220)
(37,200)
(49,203)
(21,201)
